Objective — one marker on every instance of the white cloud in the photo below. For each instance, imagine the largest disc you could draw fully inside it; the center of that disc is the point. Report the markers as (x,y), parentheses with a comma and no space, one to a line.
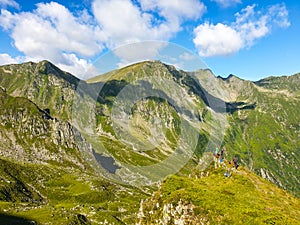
(125,22)
(227,3)
(54,33)
(10,3)
(82,68)
(75,65)
(176,9)
(51,32)
(249,26)
(217,39)
(252,25)
(7,20)
(279,15)
(7,59)
(122,21)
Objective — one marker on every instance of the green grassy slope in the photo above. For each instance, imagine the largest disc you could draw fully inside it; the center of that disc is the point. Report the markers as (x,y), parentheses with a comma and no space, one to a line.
(51,194)
(243,198)
(267,137)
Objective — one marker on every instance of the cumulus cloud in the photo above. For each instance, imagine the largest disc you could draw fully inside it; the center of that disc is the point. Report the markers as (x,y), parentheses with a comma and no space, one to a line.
(7,59)
(124,22)
(78,66)
(9,3)
(217,39)
(52,32)
(227,3)
(249,26)
(176,9)
(51,29)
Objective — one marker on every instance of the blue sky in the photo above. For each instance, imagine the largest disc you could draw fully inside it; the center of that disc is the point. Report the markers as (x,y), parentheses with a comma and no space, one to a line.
(251,39)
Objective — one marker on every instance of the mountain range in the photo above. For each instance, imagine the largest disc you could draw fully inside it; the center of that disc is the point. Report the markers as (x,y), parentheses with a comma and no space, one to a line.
(105,150)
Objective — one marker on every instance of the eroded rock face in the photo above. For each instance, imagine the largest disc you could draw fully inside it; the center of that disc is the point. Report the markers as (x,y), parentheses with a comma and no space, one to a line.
(179,213)
(29,134)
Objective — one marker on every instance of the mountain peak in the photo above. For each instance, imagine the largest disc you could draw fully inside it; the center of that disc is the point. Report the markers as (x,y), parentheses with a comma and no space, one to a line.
(46,62)
(133,71)
(230,77)
(46,67)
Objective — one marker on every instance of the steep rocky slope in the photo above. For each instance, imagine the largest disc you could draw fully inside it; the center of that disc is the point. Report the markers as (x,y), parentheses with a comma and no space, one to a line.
(29,134)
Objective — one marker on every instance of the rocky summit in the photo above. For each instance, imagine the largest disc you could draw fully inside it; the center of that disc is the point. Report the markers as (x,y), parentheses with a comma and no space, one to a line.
(135,146)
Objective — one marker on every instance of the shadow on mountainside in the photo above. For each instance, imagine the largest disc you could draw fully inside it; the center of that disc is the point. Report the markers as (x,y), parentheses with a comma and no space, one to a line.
(15,220)
(105,92)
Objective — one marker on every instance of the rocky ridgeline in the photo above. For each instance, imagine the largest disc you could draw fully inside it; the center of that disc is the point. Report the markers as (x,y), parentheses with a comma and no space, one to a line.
(287,83)
(42,83)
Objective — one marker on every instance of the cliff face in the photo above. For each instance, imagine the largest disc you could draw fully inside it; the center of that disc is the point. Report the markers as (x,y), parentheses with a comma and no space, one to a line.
(29,134)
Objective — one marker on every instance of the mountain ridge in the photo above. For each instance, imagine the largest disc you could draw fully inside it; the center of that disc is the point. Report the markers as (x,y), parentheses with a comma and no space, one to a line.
(210,197)
(37,115)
